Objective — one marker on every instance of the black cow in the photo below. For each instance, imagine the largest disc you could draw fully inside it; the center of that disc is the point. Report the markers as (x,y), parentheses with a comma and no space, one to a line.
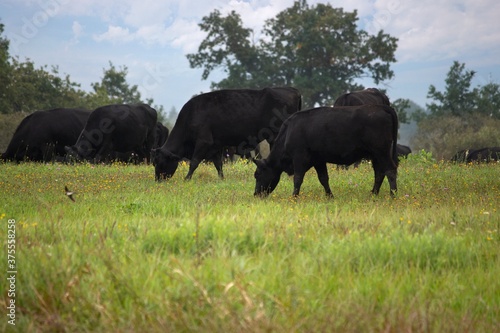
(42,135)
(118,131)
(161,135)
(403,151)
(488,154)
(209,122)
(361,97)
(461,156)
(340,135)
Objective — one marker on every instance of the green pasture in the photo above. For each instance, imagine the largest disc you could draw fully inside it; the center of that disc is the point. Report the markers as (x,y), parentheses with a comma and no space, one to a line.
(133,255)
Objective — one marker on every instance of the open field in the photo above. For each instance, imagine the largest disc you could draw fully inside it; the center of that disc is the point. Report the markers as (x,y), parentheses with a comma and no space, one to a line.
(132,255)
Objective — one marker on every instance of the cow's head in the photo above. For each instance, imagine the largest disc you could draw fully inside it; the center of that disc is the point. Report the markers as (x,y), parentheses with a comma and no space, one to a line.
(266,178)
(165,163)
(71,154)
(82,150)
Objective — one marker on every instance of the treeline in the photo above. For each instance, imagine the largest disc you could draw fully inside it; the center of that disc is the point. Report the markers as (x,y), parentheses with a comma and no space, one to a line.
(460,117)
(26,88)
(321,51)
(317,49)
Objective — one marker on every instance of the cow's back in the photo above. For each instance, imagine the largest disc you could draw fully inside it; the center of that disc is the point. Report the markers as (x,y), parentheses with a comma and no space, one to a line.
(37,131)
(339,132)
(488,154)
(361,97)
(234,115)
(118,128)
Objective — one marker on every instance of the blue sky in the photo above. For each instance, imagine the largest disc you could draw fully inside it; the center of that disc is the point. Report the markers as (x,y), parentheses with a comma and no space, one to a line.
(152,37)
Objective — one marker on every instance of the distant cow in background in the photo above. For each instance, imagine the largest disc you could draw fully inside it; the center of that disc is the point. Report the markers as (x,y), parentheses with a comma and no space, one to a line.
(369,96)
(461,156)
(116,132)
(361,97)
(403,151)
(42,135)
(485,155)
(340,135)
(209,122)
(161,135)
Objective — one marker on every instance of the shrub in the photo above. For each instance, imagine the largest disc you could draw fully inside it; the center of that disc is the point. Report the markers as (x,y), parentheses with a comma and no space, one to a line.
(443,136)
(8,125)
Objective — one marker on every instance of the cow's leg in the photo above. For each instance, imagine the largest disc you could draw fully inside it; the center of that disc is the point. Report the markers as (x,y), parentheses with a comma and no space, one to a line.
(202,150)
(217,161)
(392,177)
(298,178)
(379,177)
(323,177)
(300,167)
(193,165)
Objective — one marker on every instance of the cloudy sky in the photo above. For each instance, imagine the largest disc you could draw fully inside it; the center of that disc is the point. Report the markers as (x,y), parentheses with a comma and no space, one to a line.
(152,37)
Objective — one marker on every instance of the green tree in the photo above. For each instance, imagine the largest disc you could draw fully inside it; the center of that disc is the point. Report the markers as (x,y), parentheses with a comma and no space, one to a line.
(114,89)
(487,99)
(30,89)
(317,49)
(4,71)
(458,99)
(25,88)
(461,117)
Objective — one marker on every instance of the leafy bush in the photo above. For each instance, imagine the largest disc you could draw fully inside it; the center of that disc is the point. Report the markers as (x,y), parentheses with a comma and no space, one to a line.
(8,125)
(443,136)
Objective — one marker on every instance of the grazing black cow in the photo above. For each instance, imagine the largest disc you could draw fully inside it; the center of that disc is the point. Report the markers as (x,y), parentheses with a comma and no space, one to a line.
(340,135)
(403,151)
(161,135)
(361,97)
(42,135)
(461,156)
(209,122)
(118,131)
(486,155)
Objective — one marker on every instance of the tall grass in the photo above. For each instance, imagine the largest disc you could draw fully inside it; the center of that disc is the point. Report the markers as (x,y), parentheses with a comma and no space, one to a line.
(133,255)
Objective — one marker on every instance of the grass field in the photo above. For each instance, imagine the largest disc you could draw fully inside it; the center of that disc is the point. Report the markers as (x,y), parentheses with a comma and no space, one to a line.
(132,255)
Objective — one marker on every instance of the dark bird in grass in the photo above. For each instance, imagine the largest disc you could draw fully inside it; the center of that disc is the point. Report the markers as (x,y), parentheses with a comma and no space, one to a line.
(69,193)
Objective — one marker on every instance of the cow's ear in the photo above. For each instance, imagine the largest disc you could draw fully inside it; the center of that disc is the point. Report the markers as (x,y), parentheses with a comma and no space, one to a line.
(171,155)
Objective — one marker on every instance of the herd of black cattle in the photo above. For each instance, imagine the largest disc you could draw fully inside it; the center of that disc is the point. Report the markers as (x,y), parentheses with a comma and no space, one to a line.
(360,125)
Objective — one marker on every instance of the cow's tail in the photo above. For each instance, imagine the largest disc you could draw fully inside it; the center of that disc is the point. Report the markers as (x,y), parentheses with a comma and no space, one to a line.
(395,125)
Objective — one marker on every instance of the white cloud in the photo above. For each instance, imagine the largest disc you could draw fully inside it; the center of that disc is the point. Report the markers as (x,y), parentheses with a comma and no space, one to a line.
(77,29)
(429,29)
(115,34)
(438,30)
